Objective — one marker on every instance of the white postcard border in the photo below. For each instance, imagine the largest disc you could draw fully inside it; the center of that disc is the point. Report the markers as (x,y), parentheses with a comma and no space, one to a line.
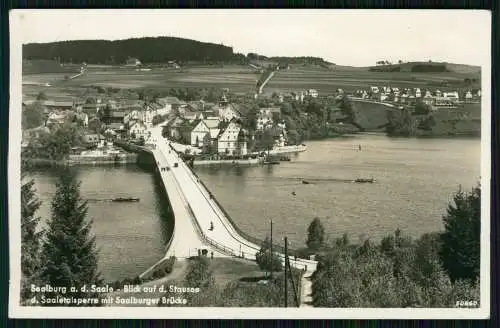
(14,197)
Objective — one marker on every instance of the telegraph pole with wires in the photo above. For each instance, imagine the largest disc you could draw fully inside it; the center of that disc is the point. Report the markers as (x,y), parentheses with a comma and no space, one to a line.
(271,249)
(289,270)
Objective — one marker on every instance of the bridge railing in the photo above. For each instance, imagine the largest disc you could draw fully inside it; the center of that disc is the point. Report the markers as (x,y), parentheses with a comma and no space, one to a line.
(246,236)
(209,240)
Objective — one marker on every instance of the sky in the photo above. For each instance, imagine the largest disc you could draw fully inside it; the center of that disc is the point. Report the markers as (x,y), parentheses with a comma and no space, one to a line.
(344,37)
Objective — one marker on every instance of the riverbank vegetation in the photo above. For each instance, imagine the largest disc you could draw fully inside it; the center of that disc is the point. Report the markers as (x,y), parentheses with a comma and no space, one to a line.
(232,283)
(424,122)
(436,270)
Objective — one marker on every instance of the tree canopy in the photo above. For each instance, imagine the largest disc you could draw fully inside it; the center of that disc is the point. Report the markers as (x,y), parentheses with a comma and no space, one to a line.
(461,240)
(30,238)
(69,253)
(315,234)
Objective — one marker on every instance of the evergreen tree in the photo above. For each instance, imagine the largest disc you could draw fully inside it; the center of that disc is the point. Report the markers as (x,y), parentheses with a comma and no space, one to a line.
(30,239)
(460,251)
(315,234)
(69,252)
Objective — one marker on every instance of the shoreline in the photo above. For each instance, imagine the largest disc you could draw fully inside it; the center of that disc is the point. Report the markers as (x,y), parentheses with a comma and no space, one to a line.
(77,160)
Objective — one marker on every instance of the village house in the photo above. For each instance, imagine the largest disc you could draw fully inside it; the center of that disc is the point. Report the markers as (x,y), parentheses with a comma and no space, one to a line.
(91,109)
(226,111)
(59,105)
(133,62)
(198,105)
(119,128)
(83,119)
(211,115)
(452,96)
(92,140)
(173,127)
(55,118)
(112,116)
(374,89)
(468,95)
(132,117)
(418,93)
(313,93)
(202,129)
(137,130)
(168,104)
(266,117)
(232,140)
(192,115)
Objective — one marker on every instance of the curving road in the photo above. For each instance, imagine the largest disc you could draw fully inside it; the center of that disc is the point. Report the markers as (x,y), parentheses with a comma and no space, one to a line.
(183,186)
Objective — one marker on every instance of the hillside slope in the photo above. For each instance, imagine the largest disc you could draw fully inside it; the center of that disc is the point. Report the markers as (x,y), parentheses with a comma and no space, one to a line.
(147,50)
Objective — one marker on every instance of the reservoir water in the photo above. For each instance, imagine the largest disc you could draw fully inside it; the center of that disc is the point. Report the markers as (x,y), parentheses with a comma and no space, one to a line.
(415,180)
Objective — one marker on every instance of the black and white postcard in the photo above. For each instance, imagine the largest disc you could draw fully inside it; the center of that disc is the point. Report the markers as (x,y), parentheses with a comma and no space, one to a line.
(328,164)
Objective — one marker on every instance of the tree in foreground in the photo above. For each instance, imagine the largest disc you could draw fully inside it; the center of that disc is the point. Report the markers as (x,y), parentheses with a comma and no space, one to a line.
(315,234)
(69,252)
(266,260)
(461,241)
(30,239)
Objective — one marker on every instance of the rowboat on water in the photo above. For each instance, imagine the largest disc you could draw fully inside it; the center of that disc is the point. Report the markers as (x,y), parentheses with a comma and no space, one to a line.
(364,180)
(125,199)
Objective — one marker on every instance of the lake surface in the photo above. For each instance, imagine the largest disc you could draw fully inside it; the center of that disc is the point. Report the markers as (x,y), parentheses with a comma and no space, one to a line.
(131,236)
(415,180)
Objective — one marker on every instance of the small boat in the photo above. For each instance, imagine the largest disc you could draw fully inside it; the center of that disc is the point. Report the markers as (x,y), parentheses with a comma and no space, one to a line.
(285,159)
(364,180)
(305,182)
(127,199)
(271,162)
(293,193)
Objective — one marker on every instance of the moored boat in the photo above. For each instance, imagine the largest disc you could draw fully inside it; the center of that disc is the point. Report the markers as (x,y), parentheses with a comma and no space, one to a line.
(364,180)
(125,199)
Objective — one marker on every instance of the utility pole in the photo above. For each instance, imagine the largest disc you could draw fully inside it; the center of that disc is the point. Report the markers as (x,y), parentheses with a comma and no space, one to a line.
(271,248)
(286,281)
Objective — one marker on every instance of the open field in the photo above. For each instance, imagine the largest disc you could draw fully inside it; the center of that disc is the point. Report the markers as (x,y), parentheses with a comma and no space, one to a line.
(327,81)
(239,79)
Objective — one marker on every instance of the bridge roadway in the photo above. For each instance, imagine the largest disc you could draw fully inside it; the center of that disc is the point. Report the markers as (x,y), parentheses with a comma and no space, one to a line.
(201,210)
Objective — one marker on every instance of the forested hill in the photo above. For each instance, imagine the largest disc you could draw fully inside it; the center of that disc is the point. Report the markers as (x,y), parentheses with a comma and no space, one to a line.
(147,50)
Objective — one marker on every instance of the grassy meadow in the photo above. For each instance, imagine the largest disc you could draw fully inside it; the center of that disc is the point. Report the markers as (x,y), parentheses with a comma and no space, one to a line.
(329,80)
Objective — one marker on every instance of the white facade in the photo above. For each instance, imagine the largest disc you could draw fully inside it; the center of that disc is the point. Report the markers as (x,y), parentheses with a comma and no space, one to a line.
(147,116)
(198,134)
(139,129)
(313,93)
(418,93)
(227,113)
(453,96)
(228,141)
(264,118)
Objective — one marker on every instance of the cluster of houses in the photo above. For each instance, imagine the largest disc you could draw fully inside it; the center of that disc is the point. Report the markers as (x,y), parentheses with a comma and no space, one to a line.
(409,95)
(218,129)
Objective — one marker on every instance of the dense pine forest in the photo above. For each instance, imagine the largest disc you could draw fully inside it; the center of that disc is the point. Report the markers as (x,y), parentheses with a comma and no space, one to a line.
(147,50)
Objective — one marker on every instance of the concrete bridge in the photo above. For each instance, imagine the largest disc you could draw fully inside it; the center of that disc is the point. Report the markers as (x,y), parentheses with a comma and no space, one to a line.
(195,211)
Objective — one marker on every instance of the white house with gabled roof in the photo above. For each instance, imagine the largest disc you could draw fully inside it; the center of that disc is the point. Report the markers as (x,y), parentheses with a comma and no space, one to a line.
(230,141)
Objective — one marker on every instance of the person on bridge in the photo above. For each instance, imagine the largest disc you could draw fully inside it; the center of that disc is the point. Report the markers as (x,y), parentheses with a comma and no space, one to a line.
(211,226)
